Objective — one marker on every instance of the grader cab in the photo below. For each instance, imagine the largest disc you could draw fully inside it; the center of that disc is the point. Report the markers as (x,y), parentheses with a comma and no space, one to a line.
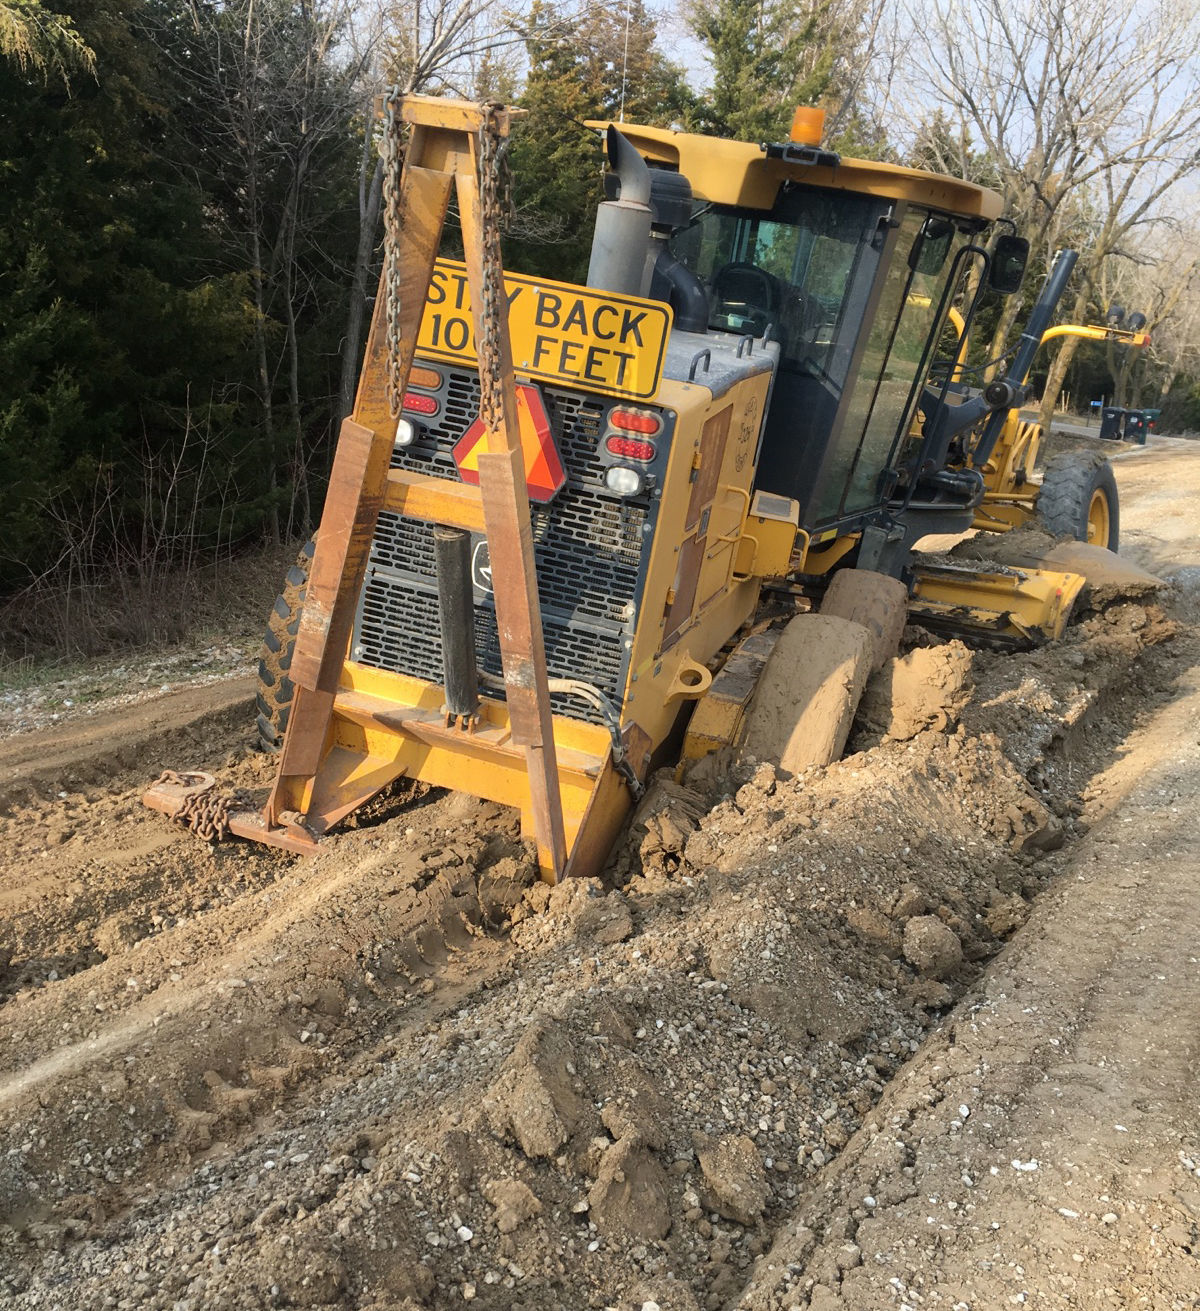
(554,509)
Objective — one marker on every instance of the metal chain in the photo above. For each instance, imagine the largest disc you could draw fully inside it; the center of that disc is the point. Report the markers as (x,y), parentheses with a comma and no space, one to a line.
(204,810)
(393,221)
(494,206)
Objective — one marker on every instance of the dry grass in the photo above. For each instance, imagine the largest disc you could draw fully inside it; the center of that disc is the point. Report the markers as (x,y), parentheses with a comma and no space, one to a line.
(58,621)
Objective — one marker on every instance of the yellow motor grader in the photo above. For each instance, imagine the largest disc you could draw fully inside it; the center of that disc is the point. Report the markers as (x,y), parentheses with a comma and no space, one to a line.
(554,510)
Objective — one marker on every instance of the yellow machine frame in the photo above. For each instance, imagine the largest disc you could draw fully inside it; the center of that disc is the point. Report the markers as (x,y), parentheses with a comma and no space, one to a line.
(354,730)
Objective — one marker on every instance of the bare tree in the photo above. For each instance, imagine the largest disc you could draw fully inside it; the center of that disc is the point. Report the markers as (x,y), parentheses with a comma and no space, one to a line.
(1085,112)
(271,86)
(430,46)
(1165,286)
(865,49)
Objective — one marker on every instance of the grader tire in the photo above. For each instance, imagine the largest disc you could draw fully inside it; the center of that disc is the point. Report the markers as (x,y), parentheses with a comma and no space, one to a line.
(1079,499)
(807,694)
(275,688)
(874,600)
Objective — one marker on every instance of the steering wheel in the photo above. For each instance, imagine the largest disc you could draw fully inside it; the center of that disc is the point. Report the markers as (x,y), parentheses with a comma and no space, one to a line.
(741,283)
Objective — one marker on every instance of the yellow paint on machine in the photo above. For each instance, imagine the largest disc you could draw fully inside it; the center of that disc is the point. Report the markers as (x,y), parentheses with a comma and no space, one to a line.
(1024,604)
(396,721)
(594,341)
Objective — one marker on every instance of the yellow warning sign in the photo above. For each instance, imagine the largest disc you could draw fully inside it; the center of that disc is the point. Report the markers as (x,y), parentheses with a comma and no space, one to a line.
(590,340)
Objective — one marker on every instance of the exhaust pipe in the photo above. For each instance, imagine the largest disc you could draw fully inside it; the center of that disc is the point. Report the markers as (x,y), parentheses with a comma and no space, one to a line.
(622,235)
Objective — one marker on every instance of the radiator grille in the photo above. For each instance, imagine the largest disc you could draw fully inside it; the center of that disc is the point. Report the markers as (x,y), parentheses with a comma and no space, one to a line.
(588,547)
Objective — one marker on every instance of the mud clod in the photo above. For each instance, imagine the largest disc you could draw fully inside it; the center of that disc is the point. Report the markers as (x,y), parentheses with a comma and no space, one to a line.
(926,688)
(733,1170)
(629,1196)
(931,947)
(312,1276)
(514,1203)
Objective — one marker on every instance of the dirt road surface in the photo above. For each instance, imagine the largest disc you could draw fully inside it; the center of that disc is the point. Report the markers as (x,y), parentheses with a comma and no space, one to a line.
(915,1030)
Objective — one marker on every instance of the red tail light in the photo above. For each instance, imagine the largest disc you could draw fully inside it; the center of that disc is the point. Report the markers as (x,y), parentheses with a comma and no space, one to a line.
(415,403)
(643,421)
(629,448)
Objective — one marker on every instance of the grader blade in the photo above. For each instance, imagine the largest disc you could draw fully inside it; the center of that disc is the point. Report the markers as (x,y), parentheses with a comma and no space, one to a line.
(1005,607)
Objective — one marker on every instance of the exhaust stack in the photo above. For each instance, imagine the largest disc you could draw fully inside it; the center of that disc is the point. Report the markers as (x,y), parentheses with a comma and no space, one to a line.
(622,234)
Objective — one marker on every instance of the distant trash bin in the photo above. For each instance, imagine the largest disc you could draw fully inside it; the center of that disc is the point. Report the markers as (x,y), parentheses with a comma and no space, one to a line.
(1135,426)
(1152,417)
(1112,423)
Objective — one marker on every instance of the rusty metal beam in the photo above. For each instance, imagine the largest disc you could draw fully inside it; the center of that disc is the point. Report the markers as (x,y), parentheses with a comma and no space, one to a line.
(510,538)
(443,151)
(357,488)
(435,500)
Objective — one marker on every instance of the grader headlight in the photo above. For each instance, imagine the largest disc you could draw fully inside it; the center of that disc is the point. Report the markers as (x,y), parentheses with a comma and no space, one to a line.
(623,480)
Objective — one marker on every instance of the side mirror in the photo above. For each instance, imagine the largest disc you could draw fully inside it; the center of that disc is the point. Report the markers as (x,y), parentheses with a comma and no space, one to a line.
(1008,264)
(931,247)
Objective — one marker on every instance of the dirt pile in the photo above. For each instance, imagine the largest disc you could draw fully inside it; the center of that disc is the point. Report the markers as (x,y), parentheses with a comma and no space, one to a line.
(1039,1150)
(401,1075)
(332,1083)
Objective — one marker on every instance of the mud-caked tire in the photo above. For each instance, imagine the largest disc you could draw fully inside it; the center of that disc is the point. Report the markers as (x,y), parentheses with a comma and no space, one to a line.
(1079,499)
(806,696)
(275,689)
(874,600)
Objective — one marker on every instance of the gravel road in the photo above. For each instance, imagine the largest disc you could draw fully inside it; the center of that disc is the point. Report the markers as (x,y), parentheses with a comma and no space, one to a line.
(913,1030)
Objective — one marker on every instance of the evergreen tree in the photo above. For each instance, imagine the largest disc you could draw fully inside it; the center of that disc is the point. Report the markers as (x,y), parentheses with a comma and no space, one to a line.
(38,40)
(114,349)
(173,236)
(627,74)
(765,60)
(555,159)
(579,70)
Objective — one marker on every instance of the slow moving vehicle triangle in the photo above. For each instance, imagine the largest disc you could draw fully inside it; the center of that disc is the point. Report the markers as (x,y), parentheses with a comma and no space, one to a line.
(544,473)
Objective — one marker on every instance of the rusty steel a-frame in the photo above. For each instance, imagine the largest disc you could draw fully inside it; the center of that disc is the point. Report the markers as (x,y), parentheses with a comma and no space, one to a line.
(452,144)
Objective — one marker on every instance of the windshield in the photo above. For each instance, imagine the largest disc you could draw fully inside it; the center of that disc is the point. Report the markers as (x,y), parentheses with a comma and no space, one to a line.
(793,271)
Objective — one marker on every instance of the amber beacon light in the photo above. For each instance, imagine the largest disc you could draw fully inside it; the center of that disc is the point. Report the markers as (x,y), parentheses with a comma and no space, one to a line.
(808,126)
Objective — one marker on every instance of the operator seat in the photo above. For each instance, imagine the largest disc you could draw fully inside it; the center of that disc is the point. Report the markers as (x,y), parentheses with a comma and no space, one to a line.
(745,299)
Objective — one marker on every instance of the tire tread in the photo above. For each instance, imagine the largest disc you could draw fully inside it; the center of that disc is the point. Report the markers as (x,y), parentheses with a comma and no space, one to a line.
(276,691)
(1067,487)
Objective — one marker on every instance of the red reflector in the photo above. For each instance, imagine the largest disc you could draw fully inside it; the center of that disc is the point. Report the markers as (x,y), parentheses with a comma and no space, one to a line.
(544,473)
(417,404)
(635,421)
(629,449)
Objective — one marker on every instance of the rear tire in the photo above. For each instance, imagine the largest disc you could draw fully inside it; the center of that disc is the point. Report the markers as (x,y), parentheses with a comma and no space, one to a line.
(275,687)
(874,600)
(806,696)
(1079,499)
